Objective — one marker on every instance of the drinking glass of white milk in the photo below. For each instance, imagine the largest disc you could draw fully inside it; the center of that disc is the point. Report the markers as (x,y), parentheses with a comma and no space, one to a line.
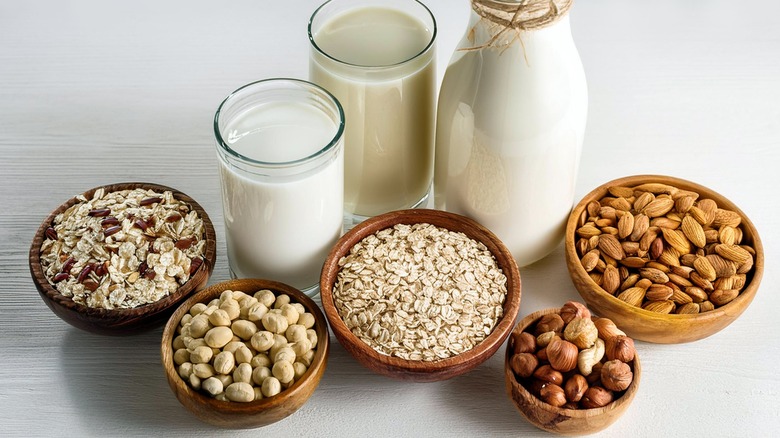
(281,162)
(378,58)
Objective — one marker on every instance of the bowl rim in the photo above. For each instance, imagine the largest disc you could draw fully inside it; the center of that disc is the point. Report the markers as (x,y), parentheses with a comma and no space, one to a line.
(743,299)
(179,386)
(468,359)
(52,295)
(623,401)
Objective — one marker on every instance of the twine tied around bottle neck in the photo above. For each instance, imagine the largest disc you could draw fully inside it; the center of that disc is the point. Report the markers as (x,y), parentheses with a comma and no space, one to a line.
(519,16)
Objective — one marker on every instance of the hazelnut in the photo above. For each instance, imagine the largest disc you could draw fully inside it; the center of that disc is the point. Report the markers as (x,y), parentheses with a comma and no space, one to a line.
(551,322)
(562,355)
(616,375)
(523,364)
(553,395)
(573,309)
(620,348)
(523,342)
(607,329)
(542,355)
(536,385)
(594,378)
(546,373)
(545,338)
(581,332)
(596,397)
(575,387)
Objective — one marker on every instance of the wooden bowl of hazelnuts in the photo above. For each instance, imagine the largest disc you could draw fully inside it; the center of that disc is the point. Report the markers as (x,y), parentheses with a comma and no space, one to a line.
(570,373)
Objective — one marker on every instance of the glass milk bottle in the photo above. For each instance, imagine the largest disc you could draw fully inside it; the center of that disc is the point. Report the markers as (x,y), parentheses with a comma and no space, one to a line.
(511,120)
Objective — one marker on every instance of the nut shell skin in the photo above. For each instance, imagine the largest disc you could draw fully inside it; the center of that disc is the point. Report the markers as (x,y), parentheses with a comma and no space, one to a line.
(549,323)
(553,395)
(524,364)
(616,375)
(596,397)
(575,388)
(562,355)
(620,348)
(524,342)
(573,309)
(546,373)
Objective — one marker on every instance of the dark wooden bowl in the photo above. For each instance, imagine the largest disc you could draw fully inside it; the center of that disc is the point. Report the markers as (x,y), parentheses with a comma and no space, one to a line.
(421,371)
(651,326)
(121,321)
(236,415)
(559,420)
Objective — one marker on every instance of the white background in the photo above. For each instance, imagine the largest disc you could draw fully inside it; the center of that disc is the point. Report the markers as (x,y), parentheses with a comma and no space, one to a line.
(96,92)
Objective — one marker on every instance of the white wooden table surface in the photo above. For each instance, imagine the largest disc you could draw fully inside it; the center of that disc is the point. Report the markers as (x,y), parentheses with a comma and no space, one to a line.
(95,92)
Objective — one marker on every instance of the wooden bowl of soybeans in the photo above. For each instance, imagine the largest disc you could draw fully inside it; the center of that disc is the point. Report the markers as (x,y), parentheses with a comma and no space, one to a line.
(668,260)
(239,358)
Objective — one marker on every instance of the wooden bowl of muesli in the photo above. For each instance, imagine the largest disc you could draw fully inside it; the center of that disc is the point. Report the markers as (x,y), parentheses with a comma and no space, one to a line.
(118,259)
(420,295)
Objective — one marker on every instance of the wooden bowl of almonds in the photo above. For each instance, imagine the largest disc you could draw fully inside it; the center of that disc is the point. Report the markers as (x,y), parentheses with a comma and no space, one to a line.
(245,353)
(569,373)
(668,260)
(420,295)
(117,259)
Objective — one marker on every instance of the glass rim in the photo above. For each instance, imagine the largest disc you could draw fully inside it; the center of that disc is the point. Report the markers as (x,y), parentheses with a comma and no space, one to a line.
(280,164)
(374,67)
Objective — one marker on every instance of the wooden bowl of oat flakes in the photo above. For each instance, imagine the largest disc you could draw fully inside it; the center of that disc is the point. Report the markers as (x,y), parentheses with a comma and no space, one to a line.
(420,295)
(668,260)
(117,259)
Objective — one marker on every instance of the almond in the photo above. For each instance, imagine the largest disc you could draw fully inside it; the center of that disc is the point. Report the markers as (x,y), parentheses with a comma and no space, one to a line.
(633,296)
(633,262)
(641,224)
(621,192)
(726,235)
(659,292)
(726,217)
(688,309)
(684,203)
(721,297)
(697,294)
(588,231)
(610,246)
(642,200)
(659,306)
(590,260)
(611,279)
(704,268)
(625,225)
(679,297)
(734,253)
(670,257)
(654,275)
(677,240)
(657,188)
(659,207)
(701,282)
(694,231)
(708,207)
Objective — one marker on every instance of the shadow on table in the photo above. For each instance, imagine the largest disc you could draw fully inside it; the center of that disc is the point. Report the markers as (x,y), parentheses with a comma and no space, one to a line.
(118,383)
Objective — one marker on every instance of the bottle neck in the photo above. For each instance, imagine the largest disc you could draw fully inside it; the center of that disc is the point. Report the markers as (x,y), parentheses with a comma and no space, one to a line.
(484,32)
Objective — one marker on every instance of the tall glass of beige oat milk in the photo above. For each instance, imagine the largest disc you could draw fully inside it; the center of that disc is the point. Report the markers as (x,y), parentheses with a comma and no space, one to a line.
(281,163)
(378,58)
(511,121)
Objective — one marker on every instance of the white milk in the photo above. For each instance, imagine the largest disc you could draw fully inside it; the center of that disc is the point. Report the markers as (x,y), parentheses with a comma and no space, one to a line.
(282,225)
(511,121)
(380,66)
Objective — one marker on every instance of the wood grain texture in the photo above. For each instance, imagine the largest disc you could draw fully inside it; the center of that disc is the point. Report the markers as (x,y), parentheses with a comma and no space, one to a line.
(421,371)
(95,92)
(121,321)
(651,326)
(258,413)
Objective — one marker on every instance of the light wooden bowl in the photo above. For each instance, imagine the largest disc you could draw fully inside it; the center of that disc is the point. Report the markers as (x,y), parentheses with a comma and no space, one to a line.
(237,415)
(421,371)
(559,420)
(651,326)
(121,321)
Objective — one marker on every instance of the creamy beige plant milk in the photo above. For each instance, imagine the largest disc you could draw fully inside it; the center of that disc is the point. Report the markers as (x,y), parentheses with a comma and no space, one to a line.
(379,63)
